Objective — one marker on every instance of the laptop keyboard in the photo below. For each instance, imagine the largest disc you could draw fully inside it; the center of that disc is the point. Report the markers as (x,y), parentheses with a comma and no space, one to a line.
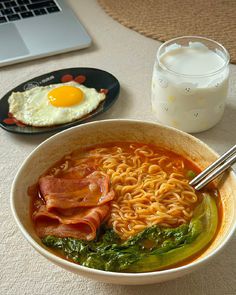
(21,9)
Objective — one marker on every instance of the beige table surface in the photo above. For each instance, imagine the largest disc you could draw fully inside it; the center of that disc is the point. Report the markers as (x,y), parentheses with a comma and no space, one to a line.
(129,56)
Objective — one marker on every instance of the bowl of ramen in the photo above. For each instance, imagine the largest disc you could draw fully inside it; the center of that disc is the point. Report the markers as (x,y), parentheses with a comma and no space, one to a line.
(111,200)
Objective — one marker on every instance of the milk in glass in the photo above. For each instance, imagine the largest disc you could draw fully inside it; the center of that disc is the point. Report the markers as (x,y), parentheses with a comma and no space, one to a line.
(189,84)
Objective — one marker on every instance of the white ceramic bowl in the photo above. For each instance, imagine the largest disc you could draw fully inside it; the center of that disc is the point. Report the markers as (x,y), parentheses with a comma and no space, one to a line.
(65,142)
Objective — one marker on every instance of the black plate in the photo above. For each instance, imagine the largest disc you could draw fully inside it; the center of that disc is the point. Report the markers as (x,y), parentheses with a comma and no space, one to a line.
(94,78)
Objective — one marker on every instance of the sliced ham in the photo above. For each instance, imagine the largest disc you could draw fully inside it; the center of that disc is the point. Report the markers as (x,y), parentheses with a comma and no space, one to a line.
(81,224)
(72,207)
(80,171)
(72,193)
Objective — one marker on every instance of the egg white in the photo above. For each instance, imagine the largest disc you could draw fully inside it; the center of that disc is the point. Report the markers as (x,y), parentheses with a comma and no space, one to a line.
(32,107)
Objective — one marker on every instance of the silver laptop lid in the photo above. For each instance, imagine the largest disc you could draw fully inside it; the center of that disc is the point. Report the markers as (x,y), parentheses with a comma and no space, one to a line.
(35,28)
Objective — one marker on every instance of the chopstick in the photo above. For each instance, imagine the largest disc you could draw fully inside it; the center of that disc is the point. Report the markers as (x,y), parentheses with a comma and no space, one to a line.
(215,169)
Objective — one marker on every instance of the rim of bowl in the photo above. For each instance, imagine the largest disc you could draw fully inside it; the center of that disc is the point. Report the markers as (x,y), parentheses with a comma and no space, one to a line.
(52,257)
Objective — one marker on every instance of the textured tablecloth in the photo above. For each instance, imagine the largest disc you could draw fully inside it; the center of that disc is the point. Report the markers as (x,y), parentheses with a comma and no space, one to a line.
(129,56)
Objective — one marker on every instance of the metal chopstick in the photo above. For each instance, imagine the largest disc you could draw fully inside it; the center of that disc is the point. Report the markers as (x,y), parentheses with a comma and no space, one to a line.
(213,166)
(216,172)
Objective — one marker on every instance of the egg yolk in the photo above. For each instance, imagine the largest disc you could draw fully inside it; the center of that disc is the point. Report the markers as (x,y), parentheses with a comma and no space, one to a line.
(65,96)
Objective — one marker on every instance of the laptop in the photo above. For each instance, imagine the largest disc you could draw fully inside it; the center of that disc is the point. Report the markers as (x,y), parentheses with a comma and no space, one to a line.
(30,29)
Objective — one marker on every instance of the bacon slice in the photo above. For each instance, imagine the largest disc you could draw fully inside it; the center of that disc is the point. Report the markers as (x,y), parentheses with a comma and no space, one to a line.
(63,193)
(79,172)
(81,168)
(74,207)
(82,224)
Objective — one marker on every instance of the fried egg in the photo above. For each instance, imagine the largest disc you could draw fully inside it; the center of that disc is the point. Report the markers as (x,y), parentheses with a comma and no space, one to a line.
(54,104)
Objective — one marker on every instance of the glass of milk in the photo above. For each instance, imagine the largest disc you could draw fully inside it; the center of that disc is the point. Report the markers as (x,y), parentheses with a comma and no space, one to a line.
(190,83)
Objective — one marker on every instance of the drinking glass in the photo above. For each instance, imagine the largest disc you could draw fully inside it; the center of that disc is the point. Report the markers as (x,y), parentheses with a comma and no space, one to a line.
(191,98)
